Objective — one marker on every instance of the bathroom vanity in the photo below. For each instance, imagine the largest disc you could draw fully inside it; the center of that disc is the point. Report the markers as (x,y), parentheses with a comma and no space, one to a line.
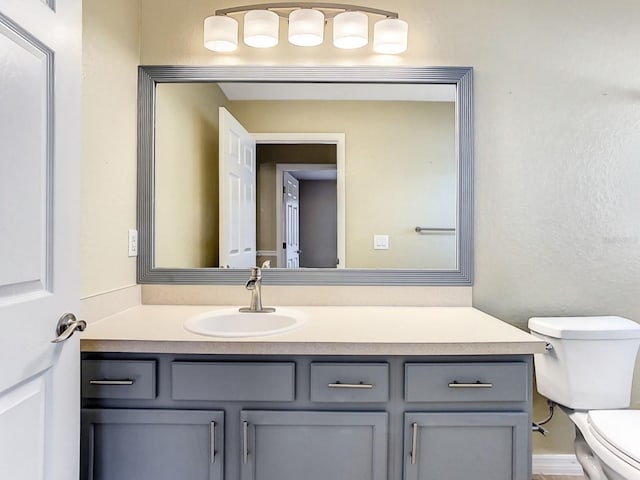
(364,393)
(356,393)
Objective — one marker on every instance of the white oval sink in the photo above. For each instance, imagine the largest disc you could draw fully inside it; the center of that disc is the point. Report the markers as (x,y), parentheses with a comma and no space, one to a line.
(229,322)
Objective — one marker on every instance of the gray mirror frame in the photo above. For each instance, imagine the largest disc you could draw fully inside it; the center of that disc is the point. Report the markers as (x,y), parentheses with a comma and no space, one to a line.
(150,76)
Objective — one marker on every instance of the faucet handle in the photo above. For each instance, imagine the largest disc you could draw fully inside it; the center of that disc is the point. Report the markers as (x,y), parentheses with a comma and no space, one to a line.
(256,273)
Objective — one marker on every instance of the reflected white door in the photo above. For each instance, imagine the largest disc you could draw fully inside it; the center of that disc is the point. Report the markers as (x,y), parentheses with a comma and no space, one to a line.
(237,174)
(291,219)
(40,58)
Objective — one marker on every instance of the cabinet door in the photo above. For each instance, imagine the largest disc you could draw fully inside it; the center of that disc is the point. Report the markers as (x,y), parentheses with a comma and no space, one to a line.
(314,445)
(463,446)
(152,444)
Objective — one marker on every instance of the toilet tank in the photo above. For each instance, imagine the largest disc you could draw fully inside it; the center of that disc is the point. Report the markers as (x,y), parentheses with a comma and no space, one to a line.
(590,361)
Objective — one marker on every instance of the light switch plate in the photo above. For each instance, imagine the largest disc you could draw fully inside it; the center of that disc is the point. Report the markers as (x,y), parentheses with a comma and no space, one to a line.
(133,243)
(381,242)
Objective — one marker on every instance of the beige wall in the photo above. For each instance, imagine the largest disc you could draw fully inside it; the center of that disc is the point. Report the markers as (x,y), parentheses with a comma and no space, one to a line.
(187,130)
(556,144)
(397,177)
(110,57)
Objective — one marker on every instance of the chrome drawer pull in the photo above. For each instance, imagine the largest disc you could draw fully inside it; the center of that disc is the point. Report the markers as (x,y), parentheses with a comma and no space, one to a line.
(414,443)
(477,384)
(350,385)
(112,382)
(245,442)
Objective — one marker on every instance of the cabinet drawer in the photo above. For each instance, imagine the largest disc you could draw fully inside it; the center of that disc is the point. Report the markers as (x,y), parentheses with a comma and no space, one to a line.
(349,382)
(126,379)
(466,382)
(233,381)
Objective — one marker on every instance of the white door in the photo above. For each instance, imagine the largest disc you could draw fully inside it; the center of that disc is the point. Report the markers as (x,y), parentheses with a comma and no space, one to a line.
(237,173)
(40,58)
(291,220)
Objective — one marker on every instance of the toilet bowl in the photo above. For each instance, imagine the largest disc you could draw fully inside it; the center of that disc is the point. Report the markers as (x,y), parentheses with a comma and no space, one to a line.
(588,371)
(608,443)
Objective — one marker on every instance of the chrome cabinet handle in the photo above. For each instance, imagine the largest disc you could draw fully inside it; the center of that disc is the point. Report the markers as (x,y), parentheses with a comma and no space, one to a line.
(414,443)
(67,325)
(245,442)
(212,442)
(112,382)
(477,384)
(350,385)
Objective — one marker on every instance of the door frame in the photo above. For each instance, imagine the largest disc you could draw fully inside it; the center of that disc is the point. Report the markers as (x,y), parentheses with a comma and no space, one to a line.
(337,139)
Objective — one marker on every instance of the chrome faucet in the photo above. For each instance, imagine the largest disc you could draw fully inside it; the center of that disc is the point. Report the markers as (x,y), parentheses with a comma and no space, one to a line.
(254,284)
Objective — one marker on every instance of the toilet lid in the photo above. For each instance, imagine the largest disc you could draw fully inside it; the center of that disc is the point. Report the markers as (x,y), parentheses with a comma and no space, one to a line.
(619,431)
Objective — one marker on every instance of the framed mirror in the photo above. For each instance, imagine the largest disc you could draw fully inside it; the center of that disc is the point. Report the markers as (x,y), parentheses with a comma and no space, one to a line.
(390,148)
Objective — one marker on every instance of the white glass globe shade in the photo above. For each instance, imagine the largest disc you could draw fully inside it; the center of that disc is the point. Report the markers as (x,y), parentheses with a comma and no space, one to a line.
(306,27)
(220,33)
(390,36)
(350,30)
(261,28)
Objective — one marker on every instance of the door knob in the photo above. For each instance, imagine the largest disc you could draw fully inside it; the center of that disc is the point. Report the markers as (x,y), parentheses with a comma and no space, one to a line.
(67,325)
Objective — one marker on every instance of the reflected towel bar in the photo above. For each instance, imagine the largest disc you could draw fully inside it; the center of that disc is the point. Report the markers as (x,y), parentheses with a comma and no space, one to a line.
(432,230)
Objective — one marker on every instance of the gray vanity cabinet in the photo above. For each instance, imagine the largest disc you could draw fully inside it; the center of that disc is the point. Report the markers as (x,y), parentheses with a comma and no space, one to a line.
(475,421)
(283,445)
(294,417)
(131,444)
(465,446)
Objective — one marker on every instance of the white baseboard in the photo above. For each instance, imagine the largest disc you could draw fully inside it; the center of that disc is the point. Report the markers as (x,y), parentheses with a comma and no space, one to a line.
(556,465)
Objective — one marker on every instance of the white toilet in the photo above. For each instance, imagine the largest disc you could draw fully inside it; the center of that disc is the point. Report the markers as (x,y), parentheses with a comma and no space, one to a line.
(588,371)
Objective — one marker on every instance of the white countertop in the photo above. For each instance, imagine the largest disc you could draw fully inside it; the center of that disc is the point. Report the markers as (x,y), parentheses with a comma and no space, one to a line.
(328,331)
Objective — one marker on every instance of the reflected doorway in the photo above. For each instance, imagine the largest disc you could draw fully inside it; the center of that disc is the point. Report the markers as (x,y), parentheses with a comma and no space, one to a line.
(308,205)
(314,162)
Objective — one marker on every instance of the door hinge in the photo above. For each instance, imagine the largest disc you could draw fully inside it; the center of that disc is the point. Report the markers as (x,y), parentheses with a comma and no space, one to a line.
(284,245)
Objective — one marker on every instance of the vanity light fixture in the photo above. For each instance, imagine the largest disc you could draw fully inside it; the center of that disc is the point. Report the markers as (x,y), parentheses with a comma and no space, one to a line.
(306,21)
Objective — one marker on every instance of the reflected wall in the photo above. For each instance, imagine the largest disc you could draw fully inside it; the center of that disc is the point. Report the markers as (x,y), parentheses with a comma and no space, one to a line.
(395,178)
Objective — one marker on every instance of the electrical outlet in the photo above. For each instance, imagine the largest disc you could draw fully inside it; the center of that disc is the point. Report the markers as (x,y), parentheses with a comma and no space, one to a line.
(133,243)
(381,242)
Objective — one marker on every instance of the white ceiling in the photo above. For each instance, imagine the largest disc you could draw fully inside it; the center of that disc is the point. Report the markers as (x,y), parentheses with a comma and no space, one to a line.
(339,91)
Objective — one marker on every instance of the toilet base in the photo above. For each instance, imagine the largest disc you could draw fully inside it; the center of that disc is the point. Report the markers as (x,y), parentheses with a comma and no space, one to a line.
(588,460)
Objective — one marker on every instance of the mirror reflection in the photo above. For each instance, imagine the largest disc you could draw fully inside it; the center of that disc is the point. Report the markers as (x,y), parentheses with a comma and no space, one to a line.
(338,176)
